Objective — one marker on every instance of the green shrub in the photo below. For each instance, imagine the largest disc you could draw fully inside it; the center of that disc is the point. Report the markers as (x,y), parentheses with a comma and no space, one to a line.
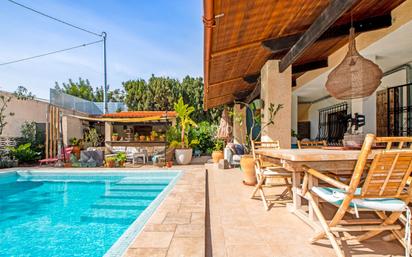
(23,153)
(204,133)
(218,145)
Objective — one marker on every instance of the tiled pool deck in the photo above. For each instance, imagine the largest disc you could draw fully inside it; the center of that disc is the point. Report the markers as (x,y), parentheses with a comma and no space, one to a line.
(240,227)
(177,228)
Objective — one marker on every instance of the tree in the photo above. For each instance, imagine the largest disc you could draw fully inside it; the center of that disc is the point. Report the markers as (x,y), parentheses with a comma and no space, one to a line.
(81,89)
(4,100)
(23,93)
(135,97)
(160,93)
(184,111)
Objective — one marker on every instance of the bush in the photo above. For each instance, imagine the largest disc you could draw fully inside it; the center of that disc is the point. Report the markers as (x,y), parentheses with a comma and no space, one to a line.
(204,133)
(23,153)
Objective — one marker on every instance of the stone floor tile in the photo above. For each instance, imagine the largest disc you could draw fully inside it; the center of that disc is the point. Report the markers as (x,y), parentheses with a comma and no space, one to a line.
(153,240)
(177,218)
(146,252)
(190,230)
(160,228)
(190,247)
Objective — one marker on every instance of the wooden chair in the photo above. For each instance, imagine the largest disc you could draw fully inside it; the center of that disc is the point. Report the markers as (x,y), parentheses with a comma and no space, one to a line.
(267,170)
(311,144)
(258,145)
(383,192)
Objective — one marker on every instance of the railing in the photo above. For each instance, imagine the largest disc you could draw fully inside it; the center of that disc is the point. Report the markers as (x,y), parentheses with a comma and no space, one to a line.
(332,123)
(75,103)
(399,110)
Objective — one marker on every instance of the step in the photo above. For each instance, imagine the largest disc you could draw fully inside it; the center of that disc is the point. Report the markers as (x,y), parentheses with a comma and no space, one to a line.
(135,190)
(137,187)
(144,181)
(121,204)
(110,216)
(140,196)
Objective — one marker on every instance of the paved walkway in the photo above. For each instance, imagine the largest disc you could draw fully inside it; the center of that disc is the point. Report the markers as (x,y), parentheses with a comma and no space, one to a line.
(240,227)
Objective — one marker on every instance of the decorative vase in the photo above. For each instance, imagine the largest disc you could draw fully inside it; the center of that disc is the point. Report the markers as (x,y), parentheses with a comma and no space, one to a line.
(217,156)
(248,167)
(183,156)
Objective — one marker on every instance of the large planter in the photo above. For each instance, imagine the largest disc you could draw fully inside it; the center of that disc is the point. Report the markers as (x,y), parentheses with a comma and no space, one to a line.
(248,167)
(217,156)
(183,156)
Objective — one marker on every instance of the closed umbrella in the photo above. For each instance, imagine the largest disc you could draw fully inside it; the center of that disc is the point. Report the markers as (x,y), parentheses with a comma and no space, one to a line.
(225,128)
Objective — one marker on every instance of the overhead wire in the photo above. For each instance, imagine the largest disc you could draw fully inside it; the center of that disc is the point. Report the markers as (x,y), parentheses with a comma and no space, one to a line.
(56,19)
(50,53)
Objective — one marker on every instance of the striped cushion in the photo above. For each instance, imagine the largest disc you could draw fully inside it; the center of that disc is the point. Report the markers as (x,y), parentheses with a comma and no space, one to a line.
(336,196)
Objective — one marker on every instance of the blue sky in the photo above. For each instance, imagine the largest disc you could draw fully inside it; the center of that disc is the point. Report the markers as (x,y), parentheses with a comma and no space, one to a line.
(162,37)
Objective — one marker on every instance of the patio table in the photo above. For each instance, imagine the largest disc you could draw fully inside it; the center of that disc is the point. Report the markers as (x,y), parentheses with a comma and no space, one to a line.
(336,162)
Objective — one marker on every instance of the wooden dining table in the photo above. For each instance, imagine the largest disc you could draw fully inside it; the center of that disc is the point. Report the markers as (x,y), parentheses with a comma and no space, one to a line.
(340,163)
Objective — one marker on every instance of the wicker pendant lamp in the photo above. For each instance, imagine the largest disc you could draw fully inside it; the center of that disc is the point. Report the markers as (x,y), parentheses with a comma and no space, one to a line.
(355,76)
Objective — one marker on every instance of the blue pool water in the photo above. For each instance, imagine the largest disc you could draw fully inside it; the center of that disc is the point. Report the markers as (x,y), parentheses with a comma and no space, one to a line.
(76,214)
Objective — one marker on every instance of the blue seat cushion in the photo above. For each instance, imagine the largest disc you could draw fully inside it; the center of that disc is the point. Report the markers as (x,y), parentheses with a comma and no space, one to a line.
(336,196)
(240,149)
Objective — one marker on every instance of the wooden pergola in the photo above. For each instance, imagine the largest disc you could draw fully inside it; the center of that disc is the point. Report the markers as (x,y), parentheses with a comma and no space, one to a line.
(241,35)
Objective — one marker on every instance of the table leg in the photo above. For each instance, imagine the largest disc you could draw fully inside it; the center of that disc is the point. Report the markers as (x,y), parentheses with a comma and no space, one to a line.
(297,203)
(313,182)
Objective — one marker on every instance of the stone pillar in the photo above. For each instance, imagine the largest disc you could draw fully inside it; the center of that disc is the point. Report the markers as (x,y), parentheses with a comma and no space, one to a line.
(276,88)
(108,130)
(239,124)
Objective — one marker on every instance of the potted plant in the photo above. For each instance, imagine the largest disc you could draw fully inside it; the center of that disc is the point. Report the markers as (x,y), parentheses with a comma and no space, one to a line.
(162,137)
(217,153)
(136,136)
(247,162)
(153,135)
(142,137)
(75,144)
(115,136)
(184,152)
(121,159)
(110,162)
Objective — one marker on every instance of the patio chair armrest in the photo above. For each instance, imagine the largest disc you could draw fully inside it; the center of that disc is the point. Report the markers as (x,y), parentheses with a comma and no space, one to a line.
(325,178)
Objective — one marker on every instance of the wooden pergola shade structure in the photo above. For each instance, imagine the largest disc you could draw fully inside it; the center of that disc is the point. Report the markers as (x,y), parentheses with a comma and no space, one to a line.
(241,35)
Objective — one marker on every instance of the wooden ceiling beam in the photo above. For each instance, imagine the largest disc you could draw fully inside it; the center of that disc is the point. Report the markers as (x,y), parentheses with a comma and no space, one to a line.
(324,21)
(309,66)
(255,94)
(278,45)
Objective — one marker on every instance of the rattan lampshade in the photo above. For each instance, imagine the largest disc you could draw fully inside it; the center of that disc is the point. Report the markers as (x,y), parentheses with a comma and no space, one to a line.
(355,76)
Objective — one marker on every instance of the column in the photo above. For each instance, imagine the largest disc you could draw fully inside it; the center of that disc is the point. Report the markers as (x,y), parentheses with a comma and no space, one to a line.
(108,130)
(276,88)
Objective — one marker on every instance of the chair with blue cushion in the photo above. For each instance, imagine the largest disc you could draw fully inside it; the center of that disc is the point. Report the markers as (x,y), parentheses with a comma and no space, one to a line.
(380,187)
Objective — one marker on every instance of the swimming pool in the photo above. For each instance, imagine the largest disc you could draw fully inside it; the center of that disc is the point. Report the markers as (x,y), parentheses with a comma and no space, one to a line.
(77,213)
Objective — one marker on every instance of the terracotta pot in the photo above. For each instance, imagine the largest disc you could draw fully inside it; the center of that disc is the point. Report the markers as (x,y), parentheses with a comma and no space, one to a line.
(115,138)
(76,151)
(110,164)
(67,165)
(121,164)
(217,156)
(142,138)
(152,138)
(248,167)
(169,164)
